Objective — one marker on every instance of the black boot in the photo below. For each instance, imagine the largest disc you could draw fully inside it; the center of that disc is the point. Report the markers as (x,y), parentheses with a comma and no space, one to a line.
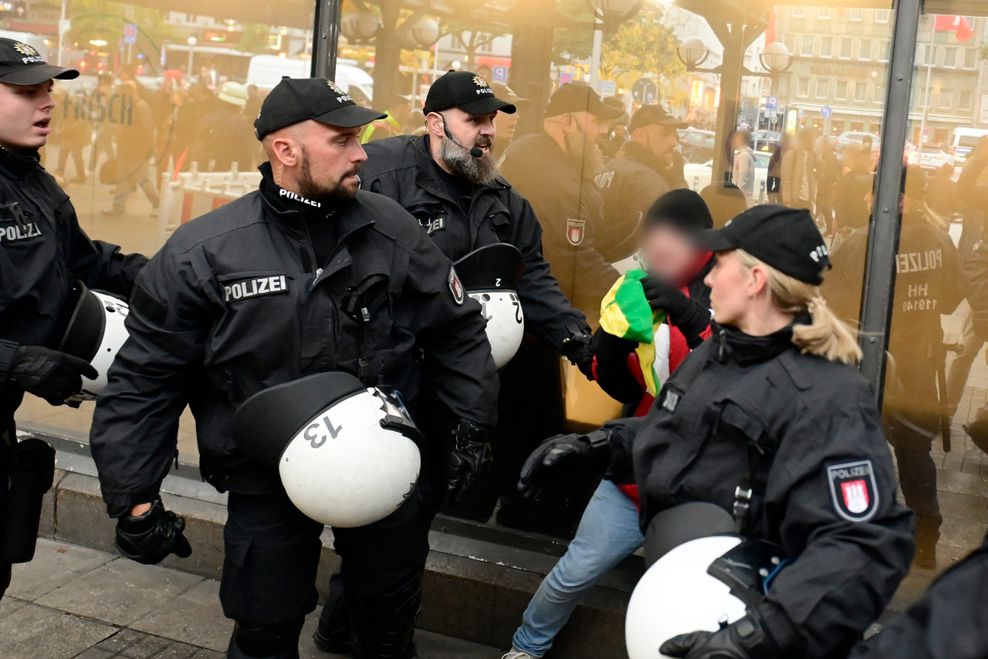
(927,535)
(385,631)
(334,635)
(279,641)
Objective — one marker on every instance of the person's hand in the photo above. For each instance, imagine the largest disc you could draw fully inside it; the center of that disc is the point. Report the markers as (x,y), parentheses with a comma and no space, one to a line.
(562,450)
(150,536)
(665,297)
(470,457)
(49,374)
(578,351)
(744,639)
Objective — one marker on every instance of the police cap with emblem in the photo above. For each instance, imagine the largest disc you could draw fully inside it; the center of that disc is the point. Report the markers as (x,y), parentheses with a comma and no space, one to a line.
(22,64)
(785,238)
(294,100)
(464,90)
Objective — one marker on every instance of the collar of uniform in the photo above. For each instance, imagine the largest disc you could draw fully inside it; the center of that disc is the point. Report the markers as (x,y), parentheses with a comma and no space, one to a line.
(427,176)
(18,165)
(348,214)
(745,349)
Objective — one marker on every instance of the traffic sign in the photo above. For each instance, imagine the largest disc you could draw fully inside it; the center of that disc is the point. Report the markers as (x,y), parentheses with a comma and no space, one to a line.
(607,87)
(130,33)
(772,103)
(499,73)
(644,90)
(826,112)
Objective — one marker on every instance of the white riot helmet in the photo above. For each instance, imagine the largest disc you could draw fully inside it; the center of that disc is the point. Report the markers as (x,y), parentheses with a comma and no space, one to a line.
(95,333)
(490,275)
(703,584)
(348,455)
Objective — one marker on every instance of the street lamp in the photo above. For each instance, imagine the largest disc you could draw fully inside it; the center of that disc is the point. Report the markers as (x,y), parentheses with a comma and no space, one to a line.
(692,52)
(192,41)
(422,32)
(360,26)
(776,58)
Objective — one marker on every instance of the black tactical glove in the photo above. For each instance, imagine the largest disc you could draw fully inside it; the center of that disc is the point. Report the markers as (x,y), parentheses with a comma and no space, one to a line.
(682,311)
(744,639)
(578,351)
(593,448)
(49,374)
(470,457)
(150,537)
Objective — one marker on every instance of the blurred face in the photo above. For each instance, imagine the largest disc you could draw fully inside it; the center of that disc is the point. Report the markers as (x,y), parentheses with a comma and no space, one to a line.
(25,115)
(668,253)
(506,125)
(731,289)
(327,160)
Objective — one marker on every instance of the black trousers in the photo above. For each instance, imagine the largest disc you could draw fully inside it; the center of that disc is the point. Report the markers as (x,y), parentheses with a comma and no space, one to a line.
(272,554)
(7,438)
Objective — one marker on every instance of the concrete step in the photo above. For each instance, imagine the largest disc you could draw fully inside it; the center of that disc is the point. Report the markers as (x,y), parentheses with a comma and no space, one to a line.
(478,580)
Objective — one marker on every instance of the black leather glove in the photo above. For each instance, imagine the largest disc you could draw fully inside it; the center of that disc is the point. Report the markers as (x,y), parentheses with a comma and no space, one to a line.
(49,374)
(682,311)
(578,351)
(593,448)
(151,537)
(744,639)
(470,457)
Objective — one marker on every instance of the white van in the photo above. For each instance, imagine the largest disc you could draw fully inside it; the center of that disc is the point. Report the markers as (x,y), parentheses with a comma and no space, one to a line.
(964,139)
(266,71)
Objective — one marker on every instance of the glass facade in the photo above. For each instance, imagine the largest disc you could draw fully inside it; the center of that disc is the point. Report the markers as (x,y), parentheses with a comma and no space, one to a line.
(157,131)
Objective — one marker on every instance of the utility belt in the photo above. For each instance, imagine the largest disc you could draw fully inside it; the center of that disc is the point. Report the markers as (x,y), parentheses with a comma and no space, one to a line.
(27,471)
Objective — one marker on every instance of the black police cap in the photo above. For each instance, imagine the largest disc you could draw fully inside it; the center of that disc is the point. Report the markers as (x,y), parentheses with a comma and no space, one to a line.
(464,90)
(785,238)
(294,100)
(22,64)
(580,97)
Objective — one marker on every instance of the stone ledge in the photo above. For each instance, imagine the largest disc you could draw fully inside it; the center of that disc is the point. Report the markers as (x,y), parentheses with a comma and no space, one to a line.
(475,589)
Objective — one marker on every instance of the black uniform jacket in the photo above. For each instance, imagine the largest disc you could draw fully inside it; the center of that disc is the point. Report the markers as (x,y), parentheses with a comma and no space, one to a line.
(569,208)
(628,185)
(948,622)
(43,250)
(805,434)
(235,303)
(402,168)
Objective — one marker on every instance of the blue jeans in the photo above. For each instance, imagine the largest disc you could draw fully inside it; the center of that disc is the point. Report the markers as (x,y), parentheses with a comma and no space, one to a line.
(607,535)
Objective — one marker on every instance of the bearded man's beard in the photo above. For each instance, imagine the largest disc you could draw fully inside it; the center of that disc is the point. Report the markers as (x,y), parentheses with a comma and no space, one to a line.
(479,171)
(309,189)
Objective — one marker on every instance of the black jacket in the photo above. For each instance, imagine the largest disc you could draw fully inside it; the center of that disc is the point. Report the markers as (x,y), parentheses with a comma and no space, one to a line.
(569,208)
(402,168)
(43,250)
(628,185)
(947,622)
(235,303)
(799,430)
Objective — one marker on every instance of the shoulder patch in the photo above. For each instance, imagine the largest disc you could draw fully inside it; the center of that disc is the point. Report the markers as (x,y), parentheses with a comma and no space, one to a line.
(575,231)
(455,285)
(853,490)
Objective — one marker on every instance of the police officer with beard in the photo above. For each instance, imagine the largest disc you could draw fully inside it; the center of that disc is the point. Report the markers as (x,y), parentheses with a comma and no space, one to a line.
(448,180)
(43,250)
(306,275)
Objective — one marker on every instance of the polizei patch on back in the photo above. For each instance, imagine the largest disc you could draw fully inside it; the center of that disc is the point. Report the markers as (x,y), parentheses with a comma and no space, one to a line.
(251,287)
(853,490)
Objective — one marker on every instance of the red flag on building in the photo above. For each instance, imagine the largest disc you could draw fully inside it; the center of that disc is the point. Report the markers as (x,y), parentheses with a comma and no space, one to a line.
(957,24)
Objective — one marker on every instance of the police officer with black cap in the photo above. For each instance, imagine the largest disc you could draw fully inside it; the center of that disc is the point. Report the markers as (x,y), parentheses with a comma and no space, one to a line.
(43,251)
(306,275)
(770,421)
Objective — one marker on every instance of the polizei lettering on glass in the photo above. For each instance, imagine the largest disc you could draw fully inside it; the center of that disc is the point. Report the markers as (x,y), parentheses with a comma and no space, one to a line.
(255,287)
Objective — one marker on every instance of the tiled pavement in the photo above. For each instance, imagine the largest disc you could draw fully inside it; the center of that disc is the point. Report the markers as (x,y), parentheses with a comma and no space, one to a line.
(72,601)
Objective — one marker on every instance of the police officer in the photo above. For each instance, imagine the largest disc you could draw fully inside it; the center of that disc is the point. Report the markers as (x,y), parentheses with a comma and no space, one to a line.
(42,251)
(448,179)
(769,420)
(928,285)
(648,166)
(305,275)
(552,169)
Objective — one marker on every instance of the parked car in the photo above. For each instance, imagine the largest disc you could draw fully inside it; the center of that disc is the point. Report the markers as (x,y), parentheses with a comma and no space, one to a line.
(765,140)
(698,175)
(858,138)
(697,145)
(963,140)
(935,156)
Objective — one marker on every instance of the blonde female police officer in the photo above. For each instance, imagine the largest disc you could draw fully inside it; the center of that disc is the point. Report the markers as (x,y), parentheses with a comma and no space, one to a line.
(772,405)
